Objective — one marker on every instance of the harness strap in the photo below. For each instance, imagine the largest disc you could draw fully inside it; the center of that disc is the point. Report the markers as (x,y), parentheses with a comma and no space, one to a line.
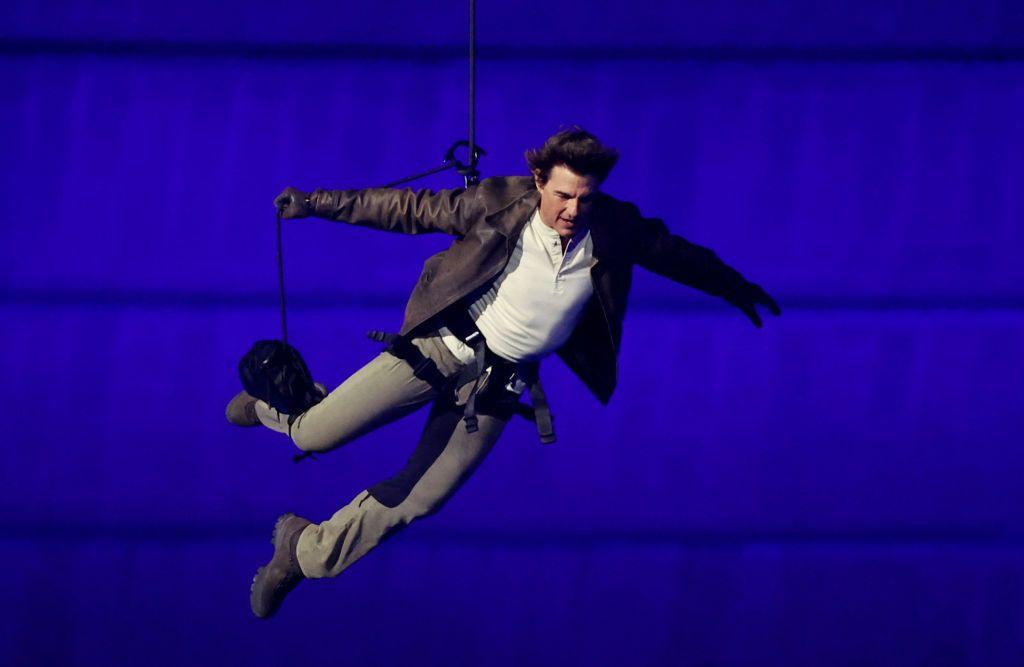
(425,369)
(423,366)
(480,352)
(462,325)
(542,413)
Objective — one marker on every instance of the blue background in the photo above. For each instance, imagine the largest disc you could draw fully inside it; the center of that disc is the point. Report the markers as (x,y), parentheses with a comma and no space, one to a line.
(842,487)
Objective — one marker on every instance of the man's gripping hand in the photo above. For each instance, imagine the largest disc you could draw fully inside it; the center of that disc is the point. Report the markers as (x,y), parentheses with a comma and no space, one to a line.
(749,295)
(294,203)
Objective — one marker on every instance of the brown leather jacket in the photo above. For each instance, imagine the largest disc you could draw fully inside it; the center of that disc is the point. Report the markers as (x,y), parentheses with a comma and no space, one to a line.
(487,220)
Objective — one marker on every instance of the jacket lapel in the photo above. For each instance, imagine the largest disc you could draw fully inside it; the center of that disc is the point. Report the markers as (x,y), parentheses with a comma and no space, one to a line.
(510,220)
(601,234)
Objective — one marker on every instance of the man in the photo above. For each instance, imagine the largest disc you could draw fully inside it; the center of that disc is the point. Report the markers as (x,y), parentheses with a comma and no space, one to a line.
(538,265)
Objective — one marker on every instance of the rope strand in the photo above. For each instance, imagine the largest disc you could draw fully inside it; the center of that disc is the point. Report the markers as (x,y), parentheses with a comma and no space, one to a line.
(280,278)
(472,86)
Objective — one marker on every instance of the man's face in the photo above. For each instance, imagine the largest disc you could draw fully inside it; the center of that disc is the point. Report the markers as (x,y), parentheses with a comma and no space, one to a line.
(565,200)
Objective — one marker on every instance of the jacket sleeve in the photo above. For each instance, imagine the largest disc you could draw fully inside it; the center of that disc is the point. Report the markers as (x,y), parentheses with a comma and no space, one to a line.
(672,256)
(405,211)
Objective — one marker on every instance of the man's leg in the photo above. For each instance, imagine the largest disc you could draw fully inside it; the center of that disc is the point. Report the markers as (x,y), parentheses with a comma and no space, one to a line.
(445,457)
(443,460)
(380,392)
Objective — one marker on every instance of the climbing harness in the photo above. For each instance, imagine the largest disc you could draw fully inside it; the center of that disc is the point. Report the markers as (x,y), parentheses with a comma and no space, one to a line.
(496,382)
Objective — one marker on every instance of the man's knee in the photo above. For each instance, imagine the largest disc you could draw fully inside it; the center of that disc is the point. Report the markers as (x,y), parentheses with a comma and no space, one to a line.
(314,440)
(308,445)
(420,503)
(305,434)
(410,504)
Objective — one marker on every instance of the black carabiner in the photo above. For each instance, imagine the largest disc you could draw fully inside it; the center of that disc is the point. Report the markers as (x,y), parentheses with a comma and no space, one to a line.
(468,171)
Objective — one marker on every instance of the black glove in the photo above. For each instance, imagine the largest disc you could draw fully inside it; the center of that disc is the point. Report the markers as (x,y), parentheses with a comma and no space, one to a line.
(294,203)
(749,295)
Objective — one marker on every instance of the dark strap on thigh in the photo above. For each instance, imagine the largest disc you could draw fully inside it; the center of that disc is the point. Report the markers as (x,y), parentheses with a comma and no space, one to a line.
(423,366)
(542,413)
(469,413)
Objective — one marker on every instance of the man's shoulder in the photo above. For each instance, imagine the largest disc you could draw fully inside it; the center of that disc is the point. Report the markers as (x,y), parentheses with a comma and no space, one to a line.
(505,187)
(501,193)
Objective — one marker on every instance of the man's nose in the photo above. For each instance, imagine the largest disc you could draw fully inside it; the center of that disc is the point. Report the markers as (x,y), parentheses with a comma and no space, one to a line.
(572,208)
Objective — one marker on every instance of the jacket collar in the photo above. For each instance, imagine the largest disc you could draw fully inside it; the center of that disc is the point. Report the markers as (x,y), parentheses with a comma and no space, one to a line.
(510,219)
(515,213)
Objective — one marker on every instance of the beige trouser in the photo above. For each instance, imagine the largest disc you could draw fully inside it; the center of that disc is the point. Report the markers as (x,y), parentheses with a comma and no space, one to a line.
(380,392)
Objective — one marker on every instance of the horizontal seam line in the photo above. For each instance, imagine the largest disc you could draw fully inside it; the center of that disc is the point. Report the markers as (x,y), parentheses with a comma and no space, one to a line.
(169,48)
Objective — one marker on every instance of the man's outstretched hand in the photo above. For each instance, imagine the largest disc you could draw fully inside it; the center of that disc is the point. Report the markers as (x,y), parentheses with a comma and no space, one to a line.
(751,295)
(293,203)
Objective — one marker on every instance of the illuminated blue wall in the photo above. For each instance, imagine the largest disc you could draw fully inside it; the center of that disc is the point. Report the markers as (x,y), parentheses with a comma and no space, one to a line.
(840,488)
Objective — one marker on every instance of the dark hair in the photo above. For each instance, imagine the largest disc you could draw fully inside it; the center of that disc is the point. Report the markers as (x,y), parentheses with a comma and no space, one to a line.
(575,148)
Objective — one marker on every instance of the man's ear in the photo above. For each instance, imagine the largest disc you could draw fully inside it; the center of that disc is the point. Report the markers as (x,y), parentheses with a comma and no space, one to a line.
(536,179)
